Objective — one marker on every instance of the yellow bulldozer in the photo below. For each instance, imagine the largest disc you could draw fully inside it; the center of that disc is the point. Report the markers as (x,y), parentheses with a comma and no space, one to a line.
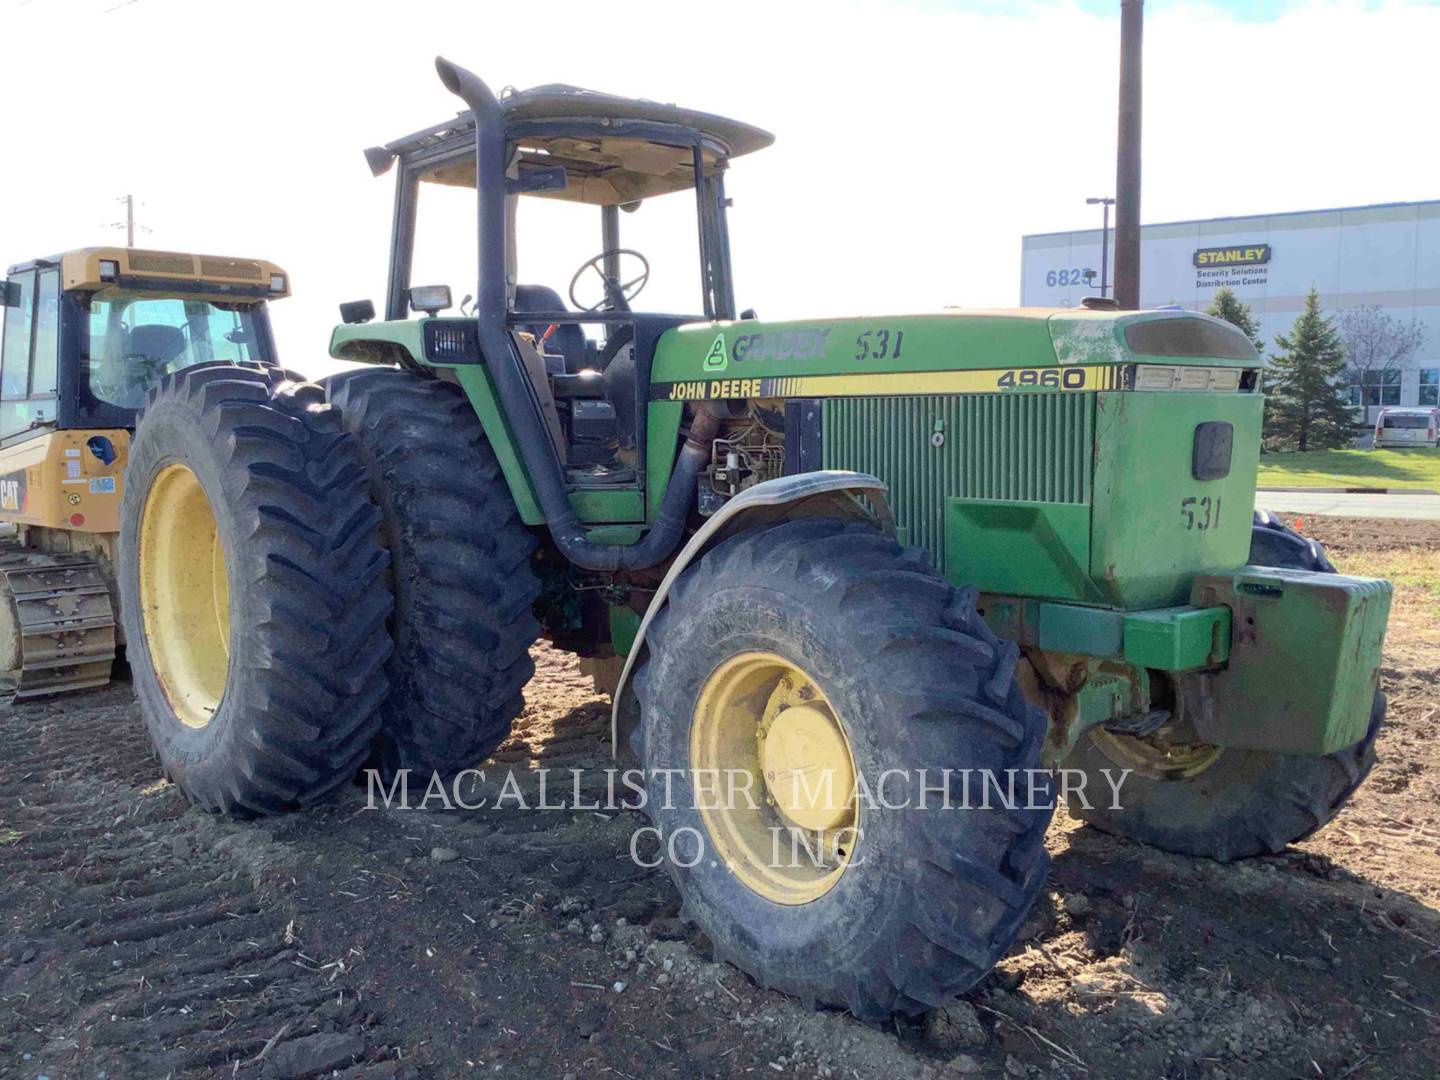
(86,335)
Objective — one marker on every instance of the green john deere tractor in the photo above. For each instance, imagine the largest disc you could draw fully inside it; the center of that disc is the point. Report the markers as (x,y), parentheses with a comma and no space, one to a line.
(852,582)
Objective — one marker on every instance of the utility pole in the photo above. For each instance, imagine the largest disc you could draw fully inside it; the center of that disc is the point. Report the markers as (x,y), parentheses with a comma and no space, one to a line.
(1127,158)
(1106,201)
(129,222)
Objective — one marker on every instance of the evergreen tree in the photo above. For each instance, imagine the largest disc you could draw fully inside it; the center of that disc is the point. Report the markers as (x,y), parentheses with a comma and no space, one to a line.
(1304,405)
(1226,305)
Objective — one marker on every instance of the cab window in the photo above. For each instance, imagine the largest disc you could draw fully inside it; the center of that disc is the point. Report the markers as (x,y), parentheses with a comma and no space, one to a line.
(30,352)
(19,320)
(134,340)
(45,362)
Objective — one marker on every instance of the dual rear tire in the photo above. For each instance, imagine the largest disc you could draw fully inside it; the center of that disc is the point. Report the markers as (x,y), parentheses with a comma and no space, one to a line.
(271,552)
(252,590)
(459,570)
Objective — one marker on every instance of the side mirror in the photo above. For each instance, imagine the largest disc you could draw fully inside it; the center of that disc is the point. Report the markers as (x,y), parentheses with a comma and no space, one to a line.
(379,159)
(10,293)
(429,298)
(357,311)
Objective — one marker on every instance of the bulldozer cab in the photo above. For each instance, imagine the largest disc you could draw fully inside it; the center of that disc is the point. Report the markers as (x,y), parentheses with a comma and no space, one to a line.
(86,334)
(584,179)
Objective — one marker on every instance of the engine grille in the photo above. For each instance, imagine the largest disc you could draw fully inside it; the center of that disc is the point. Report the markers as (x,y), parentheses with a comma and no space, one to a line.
(1016,447)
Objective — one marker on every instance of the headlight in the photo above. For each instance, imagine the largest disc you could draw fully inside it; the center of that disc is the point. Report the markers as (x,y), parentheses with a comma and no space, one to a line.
(277,283)
(109,269)
(430,298)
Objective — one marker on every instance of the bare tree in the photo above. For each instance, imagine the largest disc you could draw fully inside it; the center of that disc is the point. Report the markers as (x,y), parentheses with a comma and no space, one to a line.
(1376,344)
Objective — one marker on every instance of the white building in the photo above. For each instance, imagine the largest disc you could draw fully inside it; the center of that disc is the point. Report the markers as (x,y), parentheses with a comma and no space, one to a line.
(1386,255)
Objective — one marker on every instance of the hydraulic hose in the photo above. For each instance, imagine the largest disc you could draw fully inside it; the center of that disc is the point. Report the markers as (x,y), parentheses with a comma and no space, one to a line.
(512,383)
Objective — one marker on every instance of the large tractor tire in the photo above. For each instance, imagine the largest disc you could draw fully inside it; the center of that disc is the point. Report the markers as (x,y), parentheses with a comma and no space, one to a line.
(818,649)
(252,586)
(1226,804)
(1273,543)
(459,569)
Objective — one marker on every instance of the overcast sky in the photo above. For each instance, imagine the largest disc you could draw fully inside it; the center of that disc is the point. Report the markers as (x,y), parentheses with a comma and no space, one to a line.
(916,141)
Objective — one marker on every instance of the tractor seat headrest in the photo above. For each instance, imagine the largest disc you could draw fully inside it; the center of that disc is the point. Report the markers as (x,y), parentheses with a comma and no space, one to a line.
(568,339)
(156,341)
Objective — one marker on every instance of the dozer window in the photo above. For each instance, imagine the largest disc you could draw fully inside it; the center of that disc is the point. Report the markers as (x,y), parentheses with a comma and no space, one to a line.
(45,358)
(31,351)
(19,323)
(133,340)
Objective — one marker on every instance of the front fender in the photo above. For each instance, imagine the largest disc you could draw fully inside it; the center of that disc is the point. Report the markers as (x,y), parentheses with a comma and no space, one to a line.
(829,493)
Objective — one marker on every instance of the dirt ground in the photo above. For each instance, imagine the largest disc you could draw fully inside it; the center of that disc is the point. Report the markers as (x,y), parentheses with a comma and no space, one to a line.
(140,938)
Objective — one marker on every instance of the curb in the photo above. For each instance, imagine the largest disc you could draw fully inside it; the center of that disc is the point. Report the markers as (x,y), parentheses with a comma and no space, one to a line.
(1350,491)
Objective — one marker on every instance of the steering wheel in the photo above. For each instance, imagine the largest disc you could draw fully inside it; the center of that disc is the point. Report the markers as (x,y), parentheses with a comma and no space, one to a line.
(618,294)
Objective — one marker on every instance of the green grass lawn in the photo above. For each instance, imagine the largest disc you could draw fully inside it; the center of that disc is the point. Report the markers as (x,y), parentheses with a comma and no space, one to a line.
(1415,573)
(1352,468)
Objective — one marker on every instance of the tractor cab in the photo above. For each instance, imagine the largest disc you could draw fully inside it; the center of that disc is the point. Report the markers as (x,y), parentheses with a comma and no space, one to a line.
(88,333)
(581,179)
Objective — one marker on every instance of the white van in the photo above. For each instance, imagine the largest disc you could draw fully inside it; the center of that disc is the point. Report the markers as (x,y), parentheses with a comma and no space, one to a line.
(1415,426)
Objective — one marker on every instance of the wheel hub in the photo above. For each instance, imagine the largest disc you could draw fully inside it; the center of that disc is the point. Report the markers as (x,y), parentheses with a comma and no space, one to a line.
(1155,758)
(775,778)
(806,763)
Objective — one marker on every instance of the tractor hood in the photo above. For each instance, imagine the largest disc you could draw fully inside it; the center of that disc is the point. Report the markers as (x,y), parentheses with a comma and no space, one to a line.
(955,353)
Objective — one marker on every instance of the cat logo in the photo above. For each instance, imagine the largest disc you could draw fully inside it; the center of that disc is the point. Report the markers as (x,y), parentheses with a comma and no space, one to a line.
(12,495)
(718,356)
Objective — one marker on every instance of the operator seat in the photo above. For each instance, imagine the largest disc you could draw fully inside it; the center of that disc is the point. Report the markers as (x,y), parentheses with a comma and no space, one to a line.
(132,365)
(568,339)
(156,341)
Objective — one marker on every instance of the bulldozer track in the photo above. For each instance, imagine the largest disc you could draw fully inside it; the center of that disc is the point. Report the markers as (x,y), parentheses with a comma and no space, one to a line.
(64,618)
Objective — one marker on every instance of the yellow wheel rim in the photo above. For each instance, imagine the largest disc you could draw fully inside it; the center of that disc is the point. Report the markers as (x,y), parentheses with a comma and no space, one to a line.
(1156,758)
(184,595)
(774,778)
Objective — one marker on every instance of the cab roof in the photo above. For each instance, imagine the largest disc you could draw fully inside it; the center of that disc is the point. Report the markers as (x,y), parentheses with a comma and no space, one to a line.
(146,270)
(614,150)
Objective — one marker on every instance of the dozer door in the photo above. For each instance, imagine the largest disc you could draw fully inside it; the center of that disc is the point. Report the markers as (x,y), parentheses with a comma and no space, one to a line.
(29,355)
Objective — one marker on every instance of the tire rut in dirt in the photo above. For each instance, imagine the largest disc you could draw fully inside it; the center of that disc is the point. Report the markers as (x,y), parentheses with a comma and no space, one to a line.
(459,567)
(938,895)
(304,573)
(141,952)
